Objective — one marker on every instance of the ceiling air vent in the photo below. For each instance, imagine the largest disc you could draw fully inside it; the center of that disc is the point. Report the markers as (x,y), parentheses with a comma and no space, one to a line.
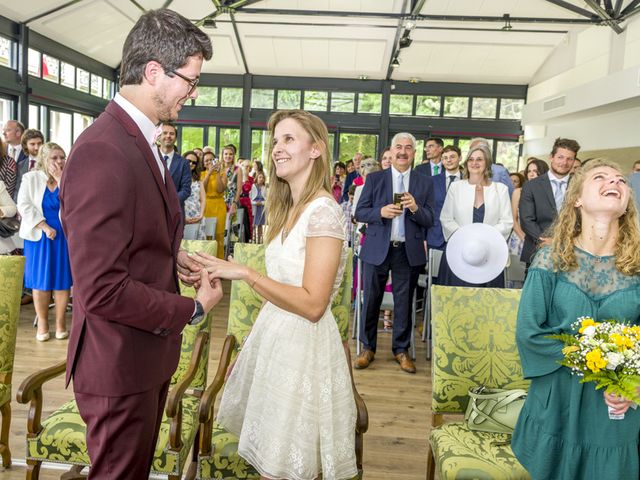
(554,103)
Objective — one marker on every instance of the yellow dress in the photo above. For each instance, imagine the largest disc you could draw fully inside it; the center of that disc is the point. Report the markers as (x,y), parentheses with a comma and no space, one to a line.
(215,208)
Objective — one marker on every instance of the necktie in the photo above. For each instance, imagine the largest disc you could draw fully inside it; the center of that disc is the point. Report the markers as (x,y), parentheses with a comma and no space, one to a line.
(11,151)
(166,161)
(436,169)
(452,178)
(32,163)
(558,193)
(401,189)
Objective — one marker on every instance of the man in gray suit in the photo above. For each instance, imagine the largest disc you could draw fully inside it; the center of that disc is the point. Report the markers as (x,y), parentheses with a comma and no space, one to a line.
(542,197)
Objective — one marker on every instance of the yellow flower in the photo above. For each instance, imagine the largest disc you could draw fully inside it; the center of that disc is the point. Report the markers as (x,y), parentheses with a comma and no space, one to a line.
(621,341)
(570,349)
(587,322)
(595,362)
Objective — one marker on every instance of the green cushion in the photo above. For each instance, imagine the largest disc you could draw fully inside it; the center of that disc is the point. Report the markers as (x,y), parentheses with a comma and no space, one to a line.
(224,462)
(5,393)
(11,273)
(468,455)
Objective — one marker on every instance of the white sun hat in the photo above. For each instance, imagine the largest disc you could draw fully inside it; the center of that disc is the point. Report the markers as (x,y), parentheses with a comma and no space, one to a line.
(477,253)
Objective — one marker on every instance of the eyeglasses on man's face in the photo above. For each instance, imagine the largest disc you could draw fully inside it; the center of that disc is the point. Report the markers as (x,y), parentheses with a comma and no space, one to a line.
(193,82)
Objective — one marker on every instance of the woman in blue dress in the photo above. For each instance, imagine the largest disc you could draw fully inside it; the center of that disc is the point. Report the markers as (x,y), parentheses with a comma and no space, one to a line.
(591,268)
(47,267)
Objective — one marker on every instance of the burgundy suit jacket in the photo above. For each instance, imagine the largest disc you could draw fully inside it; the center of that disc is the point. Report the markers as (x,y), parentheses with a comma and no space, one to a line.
(123,227)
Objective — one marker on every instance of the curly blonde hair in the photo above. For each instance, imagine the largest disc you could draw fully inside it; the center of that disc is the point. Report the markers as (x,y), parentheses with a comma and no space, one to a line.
(568,226)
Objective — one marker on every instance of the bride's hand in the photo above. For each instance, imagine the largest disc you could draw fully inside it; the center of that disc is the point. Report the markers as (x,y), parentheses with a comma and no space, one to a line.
(618,404)
(217,268)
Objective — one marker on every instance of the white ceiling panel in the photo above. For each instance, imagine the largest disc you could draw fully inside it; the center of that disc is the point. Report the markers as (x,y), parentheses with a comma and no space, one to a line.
(17,11)
(226,57)
(378,6)
(516,8)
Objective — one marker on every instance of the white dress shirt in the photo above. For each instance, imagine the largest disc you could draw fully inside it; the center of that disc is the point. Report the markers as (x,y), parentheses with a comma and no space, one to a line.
(168,158)
(433,168)
(396,234)
(14,151)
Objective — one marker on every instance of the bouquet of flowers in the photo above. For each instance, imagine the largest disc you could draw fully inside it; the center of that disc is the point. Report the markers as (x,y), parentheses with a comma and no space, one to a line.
(606,353)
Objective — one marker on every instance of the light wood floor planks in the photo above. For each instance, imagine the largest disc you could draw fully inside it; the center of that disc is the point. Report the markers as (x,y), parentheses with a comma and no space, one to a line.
(395,447)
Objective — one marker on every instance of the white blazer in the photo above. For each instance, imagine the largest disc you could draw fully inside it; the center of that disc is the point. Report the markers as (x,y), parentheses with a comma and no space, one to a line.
(30,204)
(9,210)
(457,210)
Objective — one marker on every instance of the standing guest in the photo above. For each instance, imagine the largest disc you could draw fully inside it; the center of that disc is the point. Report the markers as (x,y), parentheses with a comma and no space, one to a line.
(177,165)
(634,183)
(347,209)
(198,151)
(232,178)
(295,339)
(441,183)
(386,158)
(577,163)
(339,176)
(7,210)
(350,166)
(12,132)
(214,186)
(542,197)
(394,242)
(121,212)
(432,164)
(590,267)
(498,172)
(256,168)
(31,142)
(244,201)
(636,166)
(8,170)
(476,199)
(258,198)
(194,205)
(47,266)
(517,179)
(352,175)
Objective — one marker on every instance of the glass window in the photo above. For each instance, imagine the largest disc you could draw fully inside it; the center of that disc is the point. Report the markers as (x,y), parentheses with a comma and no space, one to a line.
(80,124)
(67,75)
(289,99)
(511,108)
(456,106)
(332,144)
(33,61)
(6,52)
(401,105)
(351,143)
(6,112)
(369,103)
(207,97)
(190,138)
(261,98)
(417,160)
(82,83)
(96,85)
(230,136)
(343,102)
(507,154)
(212,139)
(463,145)
(260,146)
(50,68)
(60,129)
(231,97)
(106,89)
(316,101)
(428,105)
(484,107)
(34,116)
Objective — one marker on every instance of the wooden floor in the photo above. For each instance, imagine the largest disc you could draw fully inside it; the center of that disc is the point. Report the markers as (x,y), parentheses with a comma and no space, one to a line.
(395,446)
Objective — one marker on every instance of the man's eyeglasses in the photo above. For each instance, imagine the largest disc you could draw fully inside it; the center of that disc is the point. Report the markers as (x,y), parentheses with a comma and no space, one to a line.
(193,82)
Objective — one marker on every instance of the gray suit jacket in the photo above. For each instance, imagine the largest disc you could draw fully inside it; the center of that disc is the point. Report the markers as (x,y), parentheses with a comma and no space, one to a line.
(537,212)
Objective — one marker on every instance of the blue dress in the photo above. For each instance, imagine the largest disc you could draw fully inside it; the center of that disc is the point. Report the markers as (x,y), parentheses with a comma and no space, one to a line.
(260,213)
(47,261)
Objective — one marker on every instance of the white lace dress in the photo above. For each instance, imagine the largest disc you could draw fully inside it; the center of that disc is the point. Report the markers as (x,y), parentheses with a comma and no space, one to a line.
(289,397)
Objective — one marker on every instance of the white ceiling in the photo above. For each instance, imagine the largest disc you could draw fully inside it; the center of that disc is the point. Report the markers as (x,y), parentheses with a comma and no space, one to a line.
(329,45)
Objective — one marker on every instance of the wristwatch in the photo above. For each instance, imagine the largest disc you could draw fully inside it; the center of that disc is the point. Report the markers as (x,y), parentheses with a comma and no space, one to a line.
(198,314)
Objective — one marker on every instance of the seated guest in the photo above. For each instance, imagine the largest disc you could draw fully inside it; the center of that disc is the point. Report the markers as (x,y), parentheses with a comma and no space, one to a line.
(475,199)
(47,267)
(591,267)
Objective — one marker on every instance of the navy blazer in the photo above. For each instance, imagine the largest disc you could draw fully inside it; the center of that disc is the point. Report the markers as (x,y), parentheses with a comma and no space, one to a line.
(181,175)
(378,192)
(435,238)
(22,164)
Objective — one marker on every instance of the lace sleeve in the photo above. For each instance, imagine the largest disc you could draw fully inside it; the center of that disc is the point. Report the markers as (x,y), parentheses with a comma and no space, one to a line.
(542,259)
(326,220)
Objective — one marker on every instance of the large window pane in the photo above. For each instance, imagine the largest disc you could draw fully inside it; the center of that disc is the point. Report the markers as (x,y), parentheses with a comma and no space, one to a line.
(289,99)
(82,80)
(417,160)
(6,112)
(262,98)
(34,116)
(96,85)
(190,138)
(60,129)
(401,105)
(463,145)
(484,107)
(50,68)
(6,52)
(511,108)
(316,101)
(428,105)
(231,97)
(33,61)
(106,89)
(212,139)
(456,106)
(260,146)
(207,97)
(507,154)
(230,136)
(369,103)
(67,75)
(80,123)
(343,102)
(351,143)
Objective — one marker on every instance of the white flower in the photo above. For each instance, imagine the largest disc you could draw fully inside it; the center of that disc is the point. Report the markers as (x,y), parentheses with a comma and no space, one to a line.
(613,360)
(589,331)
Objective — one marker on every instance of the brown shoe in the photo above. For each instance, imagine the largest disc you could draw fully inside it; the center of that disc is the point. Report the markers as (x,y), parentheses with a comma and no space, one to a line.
(406,363)
(364,359)
(26,298)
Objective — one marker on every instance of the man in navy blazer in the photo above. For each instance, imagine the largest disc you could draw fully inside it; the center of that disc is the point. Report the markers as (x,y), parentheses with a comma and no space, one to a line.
(178,166)
(394,241)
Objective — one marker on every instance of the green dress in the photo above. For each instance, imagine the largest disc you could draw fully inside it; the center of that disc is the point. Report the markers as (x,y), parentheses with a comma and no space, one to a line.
(564,430)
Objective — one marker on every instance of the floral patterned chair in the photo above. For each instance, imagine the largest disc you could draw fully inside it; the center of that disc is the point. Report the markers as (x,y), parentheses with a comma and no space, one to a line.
(61,437)
(473,344)
(11,273)
(218,457)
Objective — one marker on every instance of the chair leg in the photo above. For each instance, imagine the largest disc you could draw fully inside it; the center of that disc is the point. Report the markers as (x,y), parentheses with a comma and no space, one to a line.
(33,469)
(5,410)
(431,464)
(74,473)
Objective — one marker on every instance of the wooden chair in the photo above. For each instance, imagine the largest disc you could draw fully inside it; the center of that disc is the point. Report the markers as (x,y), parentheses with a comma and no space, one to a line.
(61,437)
(473,344)
(218,457)
(11,274)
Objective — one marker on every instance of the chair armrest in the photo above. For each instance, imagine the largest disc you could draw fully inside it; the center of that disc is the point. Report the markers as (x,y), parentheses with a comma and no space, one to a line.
(362,419)
(209,397)
(30,390)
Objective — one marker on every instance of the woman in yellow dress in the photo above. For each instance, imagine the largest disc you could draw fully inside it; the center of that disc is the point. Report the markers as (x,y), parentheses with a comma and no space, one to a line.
(214,205)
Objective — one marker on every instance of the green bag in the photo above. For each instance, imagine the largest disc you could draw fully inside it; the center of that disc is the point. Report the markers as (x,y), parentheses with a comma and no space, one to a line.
(494,410)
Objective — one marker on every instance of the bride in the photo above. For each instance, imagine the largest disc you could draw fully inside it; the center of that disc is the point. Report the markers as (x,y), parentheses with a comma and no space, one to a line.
(289,396)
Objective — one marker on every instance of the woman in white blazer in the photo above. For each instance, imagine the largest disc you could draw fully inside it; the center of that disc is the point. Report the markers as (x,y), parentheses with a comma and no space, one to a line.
(47,267)
(7,210)
(472,200)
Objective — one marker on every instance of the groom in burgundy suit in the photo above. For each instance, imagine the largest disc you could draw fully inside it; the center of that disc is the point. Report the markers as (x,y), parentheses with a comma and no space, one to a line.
(121,214)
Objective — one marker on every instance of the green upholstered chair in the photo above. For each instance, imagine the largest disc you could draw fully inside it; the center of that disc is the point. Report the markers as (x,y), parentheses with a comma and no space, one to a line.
(218,457)
(61,437)
(11,274)
(473,344)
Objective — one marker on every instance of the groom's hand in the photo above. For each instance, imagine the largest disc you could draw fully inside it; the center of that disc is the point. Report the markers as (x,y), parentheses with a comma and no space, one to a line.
(188,269)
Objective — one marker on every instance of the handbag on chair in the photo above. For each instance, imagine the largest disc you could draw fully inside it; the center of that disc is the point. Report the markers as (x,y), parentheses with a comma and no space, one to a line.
(494,410)
(9,227)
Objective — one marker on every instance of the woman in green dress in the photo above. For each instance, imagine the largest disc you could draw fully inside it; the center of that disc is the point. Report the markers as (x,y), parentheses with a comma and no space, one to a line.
(591,268)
